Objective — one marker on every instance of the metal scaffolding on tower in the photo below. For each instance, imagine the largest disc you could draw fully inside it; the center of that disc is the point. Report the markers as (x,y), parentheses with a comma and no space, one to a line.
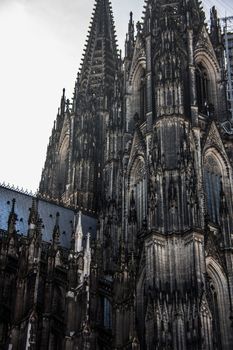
(228,41)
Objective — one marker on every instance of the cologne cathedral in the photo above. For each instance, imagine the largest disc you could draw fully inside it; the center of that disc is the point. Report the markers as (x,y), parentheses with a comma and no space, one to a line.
(129,242)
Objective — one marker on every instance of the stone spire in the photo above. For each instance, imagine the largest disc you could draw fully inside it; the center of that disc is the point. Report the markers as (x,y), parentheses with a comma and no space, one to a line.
(130,39)
(78,145)
(100,58)
(216,37)
(63,102)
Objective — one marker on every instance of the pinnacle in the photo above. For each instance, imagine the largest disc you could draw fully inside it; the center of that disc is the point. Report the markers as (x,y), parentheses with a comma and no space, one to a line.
(33,217)
(56,230)
(12,218)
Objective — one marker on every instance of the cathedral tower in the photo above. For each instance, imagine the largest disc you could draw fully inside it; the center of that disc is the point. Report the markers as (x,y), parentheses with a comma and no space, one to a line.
(79,145)
(142,145)
(174,198)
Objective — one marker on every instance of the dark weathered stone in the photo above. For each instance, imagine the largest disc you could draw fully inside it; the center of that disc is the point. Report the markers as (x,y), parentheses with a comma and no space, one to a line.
(142,148)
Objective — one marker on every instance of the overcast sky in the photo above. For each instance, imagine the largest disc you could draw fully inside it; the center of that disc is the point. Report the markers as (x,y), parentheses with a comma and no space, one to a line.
(41,45)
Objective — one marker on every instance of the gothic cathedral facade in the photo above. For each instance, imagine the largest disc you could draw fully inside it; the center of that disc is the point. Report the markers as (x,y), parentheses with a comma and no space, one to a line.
(142,147)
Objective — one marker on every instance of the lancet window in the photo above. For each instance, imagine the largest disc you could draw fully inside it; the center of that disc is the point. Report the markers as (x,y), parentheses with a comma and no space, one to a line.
(138,189)
(219,304)
(203,89)
(213,300)
(213,188)
(139,94)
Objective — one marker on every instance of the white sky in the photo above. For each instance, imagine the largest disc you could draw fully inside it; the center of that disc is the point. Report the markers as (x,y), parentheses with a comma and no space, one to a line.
(41,45)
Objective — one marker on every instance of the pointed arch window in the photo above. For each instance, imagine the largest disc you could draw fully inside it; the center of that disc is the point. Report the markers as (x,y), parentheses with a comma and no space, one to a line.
(138,190)
(213,301)
(139,94)
(203,89)
(219,304)
(213,187)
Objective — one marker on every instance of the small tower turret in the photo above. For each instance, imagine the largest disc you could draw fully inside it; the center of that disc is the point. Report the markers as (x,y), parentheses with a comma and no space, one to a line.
(33,217)
(216,37)
(130,39)
(12,241)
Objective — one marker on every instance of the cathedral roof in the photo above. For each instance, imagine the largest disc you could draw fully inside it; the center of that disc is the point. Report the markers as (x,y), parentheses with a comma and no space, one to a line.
(100,57)
(47,212)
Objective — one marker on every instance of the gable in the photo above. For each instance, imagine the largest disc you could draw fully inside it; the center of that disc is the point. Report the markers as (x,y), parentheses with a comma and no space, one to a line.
(204,44)
(214,139)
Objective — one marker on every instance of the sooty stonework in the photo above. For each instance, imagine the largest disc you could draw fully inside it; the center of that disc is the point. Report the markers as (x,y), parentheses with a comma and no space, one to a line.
(140,150)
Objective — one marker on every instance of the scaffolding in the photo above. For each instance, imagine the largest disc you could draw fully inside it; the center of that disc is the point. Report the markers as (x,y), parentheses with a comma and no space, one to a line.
(228,42)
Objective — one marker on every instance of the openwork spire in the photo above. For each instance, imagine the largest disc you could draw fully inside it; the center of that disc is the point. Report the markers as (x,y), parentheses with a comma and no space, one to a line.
(188,13)
(100,57)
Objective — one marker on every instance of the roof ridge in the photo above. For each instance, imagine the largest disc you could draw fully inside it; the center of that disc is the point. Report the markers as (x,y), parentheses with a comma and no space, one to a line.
(17,189)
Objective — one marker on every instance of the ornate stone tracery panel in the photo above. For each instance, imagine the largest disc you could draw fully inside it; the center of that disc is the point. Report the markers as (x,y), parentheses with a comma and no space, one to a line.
(212,165)
(138,172)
